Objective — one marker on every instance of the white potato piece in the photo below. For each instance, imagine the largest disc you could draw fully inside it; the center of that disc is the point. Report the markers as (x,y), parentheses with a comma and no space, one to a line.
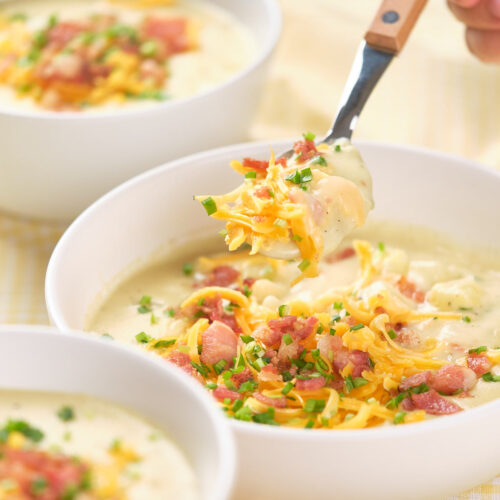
(456,294)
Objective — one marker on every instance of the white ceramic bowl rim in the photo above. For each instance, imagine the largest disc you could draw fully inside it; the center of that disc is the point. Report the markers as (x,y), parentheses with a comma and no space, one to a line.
(275,21)
(227,455)
(261,430)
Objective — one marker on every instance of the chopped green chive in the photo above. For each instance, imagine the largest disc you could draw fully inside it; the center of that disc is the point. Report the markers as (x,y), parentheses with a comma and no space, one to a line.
(287,388)
(295,177)
(219,366)
(246,338)
(164,343)
(266,417)
(381,246)
(244,413)
(319,160)
(489,377)
(201,368)
(187,269)
(209,205)
(283,310)
(32,433)
(306,175)
(309,136)
(237,405)
(143,309)
(223,232)
(399,418)
(320,329)
(478,350)
(309,424)
(337,148)
(170,312)
(338,305)
(392,334)
(66,414)
(211,386)
(466,319)
(280,223)
(143,338)
(148,49)
(357,327)
(333,331)
(314,405)
(304,265)
(252,174)
(38,485)
(287,339)
(296,237)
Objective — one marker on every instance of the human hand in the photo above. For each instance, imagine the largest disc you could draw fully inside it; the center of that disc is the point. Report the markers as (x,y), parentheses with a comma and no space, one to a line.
(482,21)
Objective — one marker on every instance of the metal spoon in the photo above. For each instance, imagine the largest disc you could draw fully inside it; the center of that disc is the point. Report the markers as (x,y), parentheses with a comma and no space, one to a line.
(384,39)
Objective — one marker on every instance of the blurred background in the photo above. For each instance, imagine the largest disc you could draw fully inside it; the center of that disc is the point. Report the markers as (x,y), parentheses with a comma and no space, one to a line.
(436,94)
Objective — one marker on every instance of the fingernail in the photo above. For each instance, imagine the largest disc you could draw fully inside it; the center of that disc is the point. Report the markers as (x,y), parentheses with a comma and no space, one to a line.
(494,7)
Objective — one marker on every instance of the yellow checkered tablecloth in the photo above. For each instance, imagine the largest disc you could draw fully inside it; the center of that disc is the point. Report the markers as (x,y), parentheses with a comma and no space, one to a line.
(436,95)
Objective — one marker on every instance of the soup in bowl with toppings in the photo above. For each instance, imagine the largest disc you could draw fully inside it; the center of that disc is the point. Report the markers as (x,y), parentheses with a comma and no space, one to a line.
(91,55)
(102,90)
(397,327)
(68,431)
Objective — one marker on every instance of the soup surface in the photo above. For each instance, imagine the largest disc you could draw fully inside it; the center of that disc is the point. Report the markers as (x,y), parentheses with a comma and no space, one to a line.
(400,325)
(95,55)
(62,446)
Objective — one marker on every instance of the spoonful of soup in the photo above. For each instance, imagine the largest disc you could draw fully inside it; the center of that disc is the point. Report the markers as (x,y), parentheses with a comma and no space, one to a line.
(305,202)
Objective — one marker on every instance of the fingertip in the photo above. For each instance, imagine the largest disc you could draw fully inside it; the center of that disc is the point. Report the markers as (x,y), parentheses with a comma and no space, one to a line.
(494,8)
(485,45)
(466,4)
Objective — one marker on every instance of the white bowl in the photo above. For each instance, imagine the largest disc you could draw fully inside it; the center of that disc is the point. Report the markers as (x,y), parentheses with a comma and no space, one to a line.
(39,358)
(426,460)
(54,165)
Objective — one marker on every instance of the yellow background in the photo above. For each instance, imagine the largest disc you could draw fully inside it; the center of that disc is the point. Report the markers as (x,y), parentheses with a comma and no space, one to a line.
(434,95)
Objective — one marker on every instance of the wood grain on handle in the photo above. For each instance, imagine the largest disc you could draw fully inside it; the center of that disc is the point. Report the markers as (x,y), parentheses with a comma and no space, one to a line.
(393,23)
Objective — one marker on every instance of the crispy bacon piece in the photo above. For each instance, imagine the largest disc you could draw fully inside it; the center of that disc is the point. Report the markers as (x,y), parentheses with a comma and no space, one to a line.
(261,166)
(452,378)
(360,362)
(306,149)
(270,373)
(222,393)
(183,361)
(408,338)
(310,385)
(416,380)
(434,404)
(243,376)
(409,289)
(263,192)
(64,32)
(328,345)
(344,254)
(275,402)
(286,352)
(213,309)
(218,342)
(479,363)
(60,472)
(170,32)
(221,276)
(298,328)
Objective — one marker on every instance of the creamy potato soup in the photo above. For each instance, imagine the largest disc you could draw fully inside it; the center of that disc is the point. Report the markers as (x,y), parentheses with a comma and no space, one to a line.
(72,447)
(400,326)
(95,55)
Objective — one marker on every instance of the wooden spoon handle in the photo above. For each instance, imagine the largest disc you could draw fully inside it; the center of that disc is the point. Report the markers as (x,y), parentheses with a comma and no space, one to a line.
(393,23)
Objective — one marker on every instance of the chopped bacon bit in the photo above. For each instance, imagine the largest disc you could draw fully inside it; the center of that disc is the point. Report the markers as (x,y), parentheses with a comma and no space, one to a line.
(181,359)
(60,472)
(351,320)
(221,276)
(409,289)
(310,385)
(479,363)
(298,328)
(281,161)
(360,362)
(380,310)
(344,254)
(243,376)
(306,149)
(275,402)
(64,32)
(218,342)
(416,380)
(249,282)
(286,352)
(452,378)
(328,345)
(258,165)
(263,192)
(270,373)
(407,338)
(170,32)
(213,309)
(434,404)
(222,393)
